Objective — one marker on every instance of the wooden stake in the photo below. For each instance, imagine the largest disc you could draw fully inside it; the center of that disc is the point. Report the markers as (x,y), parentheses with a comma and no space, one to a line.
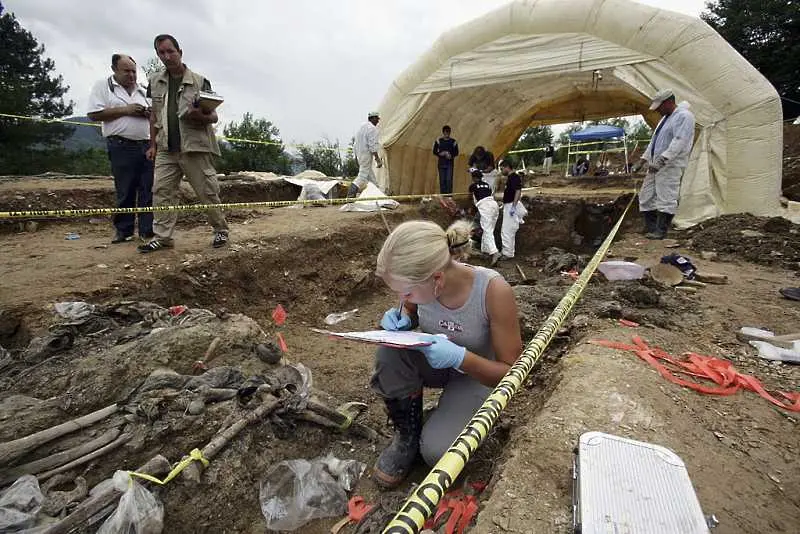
(521,272)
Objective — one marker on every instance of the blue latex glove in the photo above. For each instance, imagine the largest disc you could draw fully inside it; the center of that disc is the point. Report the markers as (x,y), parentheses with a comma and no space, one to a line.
(443,353)
(512,212)
(395,320)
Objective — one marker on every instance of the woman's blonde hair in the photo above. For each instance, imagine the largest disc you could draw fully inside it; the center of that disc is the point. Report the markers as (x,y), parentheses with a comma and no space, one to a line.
(417,249)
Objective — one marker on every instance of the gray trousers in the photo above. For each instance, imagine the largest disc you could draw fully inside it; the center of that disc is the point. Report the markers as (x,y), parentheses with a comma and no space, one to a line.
(399,373)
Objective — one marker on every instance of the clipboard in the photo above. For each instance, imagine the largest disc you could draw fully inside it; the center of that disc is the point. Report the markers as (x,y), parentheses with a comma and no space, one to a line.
(386,338)
(208,101)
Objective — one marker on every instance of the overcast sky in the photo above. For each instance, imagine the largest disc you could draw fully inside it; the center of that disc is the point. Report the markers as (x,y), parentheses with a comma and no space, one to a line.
(312,67)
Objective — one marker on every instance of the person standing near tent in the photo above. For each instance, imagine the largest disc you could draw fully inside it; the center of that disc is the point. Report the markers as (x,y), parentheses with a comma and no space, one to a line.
(488,212)
(471,313)
(549,152)
(483,160)
(446,149)
(513,210)
(666,158)
(366,149)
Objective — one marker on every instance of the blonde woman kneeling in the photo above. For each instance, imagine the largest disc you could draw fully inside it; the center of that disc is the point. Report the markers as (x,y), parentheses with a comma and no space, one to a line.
(473,306)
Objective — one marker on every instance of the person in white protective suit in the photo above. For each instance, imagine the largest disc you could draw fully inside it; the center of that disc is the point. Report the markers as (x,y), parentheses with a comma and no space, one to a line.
(488,212)
(366,149)
(666,158)
(513,210)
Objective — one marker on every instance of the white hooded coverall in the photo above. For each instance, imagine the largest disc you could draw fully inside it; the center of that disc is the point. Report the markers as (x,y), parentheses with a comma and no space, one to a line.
(673,140)
(366,144)
(489,212)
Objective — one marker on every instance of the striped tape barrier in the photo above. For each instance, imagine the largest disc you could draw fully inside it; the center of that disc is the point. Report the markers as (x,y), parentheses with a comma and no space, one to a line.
(85,212)
(423,501)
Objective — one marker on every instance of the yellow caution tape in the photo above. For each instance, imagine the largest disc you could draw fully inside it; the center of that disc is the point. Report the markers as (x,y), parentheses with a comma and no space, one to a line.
(194,456)
(84,212)
(423,501)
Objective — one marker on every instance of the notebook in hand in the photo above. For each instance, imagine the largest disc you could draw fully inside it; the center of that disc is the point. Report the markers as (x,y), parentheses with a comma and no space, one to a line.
(398,340)
(209,101)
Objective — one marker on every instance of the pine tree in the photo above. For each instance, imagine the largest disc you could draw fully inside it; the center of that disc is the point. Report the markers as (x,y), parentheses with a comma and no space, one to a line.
(29,87)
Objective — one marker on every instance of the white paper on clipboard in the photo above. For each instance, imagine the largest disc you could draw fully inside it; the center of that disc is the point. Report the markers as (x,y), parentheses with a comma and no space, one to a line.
(401,340)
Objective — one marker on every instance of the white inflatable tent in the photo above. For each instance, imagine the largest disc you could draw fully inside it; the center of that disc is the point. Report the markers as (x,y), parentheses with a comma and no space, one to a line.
(531,62)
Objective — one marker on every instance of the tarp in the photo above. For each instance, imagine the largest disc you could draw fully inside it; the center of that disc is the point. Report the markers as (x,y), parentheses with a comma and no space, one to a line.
(600,131)
(531,63)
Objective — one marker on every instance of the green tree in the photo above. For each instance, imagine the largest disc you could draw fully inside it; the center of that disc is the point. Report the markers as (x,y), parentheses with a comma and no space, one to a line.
(323,156)
(639,130)
(265,154)
(350,167)
(767,34)
(563,138)
(151,66)
(533,137)
(30,88)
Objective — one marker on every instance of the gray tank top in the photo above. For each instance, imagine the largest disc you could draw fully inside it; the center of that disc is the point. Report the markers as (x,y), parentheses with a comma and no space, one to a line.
(468,325)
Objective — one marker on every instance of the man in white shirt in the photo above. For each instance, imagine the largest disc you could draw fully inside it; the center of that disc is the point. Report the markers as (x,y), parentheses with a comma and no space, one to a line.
(121,105)
(366,148)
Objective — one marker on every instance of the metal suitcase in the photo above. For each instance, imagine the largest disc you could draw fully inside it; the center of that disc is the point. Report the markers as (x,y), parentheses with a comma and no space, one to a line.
(622,486)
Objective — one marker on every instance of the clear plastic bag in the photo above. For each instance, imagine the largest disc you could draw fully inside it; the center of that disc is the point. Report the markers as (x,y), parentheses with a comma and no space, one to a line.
(295,492)
(19,504)
(138,511)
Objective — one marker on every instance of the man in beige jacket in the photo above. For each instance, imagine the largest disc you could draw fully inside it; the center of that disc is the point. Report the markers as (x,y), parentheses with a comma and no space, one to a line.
(182,143)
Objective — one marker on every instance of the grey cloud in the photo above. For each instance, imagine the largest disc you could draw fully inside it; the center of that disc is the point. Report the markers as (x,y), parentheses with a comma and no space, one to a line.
(312,67)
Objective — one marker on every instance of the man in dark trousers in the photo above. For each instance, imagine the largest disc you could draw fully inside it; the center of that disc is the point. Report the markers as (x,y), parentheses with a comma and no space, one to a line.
(122,106)
(446,149)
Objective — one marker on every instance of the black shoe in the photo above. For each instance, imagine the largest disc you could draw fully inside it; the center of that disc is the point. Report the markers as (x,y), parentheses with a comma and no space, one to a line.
(121,238)
(152,246)
(398,458)
(220,239)
(650,218)
(663,222)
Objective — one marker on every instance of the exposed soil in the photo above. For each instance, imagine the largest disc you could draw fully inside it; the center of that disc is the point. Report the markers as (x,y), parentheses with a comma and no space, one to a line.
(318,260)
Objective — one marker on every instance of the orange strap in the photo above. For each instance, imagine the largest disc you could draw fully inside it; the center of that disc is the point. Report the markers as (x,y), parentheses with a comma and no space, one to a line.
(357,508)
(459,508)
(717,370)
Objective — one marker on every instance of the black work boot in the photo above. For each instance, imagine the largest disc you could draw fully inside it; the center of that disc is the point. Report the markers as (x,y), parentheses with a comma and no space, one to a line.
(649,221)
(353,191)
(663,222)
(396,460)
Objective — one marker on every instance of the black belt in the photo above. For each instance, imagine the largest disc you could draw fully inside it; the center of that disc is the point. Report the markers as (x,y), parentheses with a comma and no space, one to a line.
(127,141)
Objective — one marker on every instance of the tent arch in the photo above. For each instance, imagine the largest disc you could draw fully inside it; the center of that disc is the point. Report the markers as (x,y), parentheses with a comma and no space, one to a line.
(531,62)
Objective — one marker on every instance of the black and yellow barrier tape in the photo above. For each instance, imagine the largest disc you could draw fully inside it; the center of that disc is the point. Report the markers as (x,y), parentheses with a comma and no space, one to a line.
(423,501)
(88,212)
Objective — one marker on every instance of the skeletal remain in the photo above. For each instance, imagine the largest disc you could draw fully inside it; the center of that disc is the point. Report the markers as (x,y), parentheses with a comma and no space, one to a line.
(89,510)
(11,450)
(124,438)
(193,471)
(59,458)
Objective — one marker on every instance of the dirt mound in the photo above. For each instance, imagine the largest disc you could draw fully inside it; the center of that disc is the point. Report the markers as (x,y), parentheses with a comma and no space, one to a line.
(766,241)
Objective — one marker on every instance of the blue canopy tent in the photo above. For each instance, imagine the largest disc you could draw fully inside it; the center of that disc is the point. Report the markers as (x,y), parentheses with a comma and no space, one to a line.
(598,132)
